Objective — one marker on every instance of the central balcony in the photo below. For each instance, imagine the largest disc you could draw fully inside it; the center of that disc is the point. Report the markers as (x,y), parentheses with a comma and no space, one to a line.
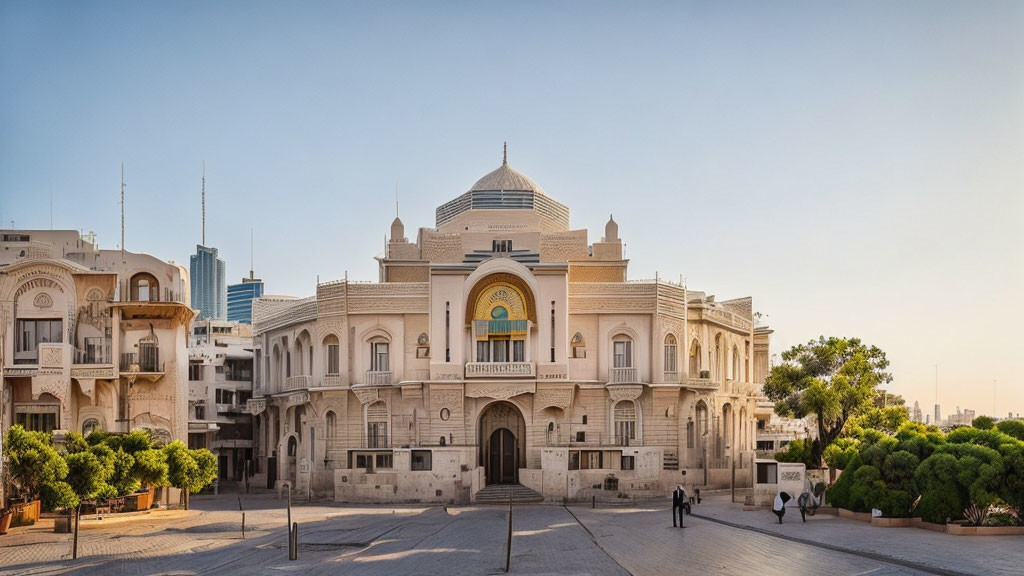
(499,369)
(297,382)
(622,375)
(377,378)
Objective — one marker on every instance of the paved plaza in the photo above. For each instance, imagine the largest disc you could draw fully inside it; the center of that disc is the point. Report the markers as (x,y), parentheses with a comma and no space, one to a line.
(718,539)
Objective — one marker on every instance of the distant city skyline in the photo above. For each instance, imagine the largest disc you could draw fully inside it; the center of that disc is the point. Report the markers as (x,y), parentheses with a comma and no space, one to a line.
(853,168)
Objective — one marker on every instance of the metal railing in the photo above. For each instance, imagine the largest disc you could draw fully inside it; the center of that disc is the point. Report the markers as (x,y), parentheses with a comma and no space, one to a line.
(297,382)
(622,375)
(102,356)
(133,362)
(670,376)
(378,378)
(588,439)
(701,383)
(501,369)
(332,380)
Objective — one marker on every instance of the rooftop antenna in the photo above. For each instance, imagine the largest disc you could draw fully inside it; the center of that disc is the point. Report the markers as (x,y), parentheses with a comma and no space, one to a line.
(51,206)
(252,274)
(396,199)
(204,202)
(122,212)
(504,154)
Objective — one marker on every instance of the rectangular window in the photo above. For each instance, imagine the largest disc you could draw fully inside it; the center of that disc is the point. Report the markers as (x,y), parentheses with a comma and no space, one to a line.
(447,332)
(581,436)
(623,353)
(765,445)
(574,460)
(379,356)
(195,371)
(377,435)
(628,462)
(200,412)
(32,333)
(670,358)
(499,350)
(333,359)
(591,460)
(37,418)
(552,330)
(384,461)
(483,352)
(421,459)
(518,351)
(501,245)
(361,460)
(767,473)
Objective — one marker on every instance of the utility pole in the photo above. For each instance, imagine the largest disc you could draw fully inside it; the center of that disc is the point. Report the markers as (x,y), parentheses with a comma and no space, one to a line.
(204,202)
(122,212)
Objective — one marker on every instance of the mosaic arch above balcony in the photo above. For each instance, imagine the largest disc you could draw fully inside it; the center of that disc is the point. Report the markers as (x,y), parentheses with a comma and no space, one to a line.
(502,297)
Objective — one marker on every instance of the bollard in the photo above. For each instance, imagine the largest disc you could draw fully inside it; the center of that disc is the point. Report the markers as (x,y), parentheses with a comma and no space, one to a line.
(293,553)
(243,525)
(593,501)
(508,541)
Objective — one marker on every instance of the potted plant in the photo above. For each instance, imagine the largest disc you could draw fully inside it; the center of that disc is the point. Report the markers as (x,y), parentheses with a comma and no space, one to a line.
(32,463)
(5,520)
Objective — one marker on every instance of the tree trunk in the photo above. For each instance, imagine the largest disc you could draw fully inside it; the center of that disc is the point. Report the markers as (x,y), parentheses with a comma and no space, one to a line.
(74,545)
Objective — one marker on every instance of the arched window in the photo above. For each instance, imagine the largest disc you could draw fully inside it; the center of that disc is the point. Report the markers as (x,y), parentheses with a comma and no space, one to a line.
(380,360)
(622,352)
(625,422)
(735,363)
(145,288)
(694,359)
(149,353)
(727,424)
(719,365)
(377,425)
(89,426)
(293,447)
(332,425)
(671,354)
(332,350)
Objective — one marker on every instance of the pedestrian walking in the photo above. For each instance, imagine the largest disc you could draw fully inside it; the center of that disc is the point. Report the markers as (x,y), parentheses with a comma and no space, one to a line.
(779,507)
(802,502)
(679,502)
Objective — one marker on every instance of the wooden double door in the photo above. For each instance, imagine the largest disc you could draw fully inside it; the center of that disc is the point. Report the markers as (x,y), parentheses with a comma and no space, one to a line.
(503,457)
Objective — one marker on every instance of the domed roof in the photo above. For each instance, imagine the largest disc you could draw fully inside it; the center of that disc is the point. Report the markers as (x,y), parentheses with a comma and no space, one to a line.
(505,178)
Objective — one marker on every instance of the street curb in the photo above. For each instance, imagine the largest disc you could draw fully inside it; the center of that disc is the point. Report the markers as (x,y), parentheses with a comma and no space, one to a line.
(870,555)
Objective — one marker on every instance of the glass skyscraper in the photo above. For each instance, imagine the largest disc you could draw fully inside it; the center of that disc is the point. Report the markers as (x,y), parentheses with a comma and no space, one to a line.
(209,286)
(240,297)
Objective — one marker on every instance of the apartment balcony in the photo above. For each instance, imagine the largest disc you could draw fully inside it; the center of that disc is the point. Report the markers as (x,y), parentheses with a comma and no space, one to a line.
(94,355)
(670,377)
(583,439)
(376,442)
(297,382)
(705,384)
(623,375)
(378,378)
(146,365)
(333,380)
(499,370)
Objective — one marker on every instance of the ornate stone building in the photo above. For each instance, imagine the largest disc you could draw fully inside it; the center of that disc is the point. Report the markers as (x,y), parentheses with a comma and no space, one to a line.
(91,338)
(498,347)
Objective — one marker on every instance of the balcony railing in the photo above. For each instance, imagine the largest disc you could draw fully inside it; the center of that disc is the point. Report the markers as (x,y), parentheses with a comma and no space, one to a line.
(701,384)
(95,356)
(670,376)
(332,380)
(297,382)
(377,441)
(622,375)
(377,378)
(499,369)
(587,439)
(133,362)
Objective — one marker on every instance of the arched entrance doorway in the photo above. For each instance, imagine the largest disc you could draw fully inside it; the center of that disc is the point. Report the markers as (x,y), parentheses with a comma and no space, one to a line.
(502,442)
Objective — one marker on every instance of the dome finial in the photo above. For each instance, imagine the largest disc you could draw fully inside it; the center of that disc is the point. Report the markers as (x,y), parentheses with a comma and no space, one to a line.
(504,154)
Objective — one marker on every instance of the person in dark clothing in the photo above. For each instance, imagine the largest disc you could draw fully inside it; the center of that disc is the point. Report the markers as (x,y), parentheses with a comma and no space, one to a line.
(802,502)
(779,507)
(679,502)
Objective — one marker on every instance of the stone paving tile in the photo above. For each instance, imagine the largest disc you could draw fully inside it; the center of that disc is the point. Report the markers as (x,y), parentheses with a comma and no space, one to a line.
(982,555)
(643,540)
(423,540)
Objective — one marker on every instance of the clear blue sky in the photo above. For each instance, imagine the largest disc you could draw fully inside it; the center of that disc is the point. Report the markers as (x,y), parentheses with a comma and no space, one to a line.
(855,167)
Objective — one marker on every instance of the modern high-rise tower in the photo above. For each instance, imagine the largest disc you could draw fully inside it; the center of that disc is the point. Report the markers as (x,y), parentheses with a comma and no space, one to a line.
(240,297)
(209,287)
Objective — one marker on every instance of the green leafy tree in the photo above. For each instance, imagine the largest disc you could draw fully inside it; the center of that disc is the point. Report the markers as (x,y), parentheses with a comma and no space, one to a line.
(87,474)
(189,470)
(888,419)
(955,476)
(32,461)
(983,422)
(150,467)
(839,494)
(1014,428)
(797,451)
(839,453)
(124,478)
(75,442)
(834,379)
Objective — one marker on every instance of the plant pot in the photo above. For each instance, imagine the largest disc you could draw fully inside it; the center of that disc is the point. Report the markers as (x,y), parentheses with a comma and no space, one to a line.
(5,521)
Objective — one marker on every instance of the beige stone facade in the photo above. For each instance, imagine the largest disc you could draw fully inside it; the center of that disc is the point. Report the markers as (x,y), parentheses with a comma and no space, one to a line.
(500,346)
(91,338)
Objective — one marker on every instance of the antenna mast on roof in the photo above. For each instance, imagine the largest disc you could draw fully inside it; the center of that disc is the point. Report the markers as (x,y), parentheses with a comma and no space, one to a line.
(122,212)
(252,274)
(204,202)
(396,199)
(504,154)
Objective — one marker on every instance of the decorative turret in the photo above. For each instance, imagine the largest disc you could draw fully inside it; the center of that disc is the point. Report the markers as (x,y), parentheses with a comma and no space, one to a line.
(397,230)
(611,230)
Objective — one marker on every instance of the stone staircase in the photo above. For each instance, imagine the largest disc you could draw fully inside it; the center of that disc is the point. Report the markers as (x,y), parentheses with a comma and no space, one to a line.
(499,494)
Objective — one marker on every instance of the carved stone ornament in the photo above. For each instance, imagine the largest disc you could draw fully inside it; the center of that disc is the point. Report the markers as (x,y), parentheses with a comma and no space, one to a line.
(255,406)
(625,392)
(42,300)
(94,295)
(499,391)
(366,395)
(423,339)
(557,398)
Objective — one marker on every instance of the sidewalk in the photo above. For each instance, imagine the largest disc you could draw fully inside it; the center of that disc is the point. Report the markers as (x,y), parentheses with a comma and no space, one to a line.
(938,552)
